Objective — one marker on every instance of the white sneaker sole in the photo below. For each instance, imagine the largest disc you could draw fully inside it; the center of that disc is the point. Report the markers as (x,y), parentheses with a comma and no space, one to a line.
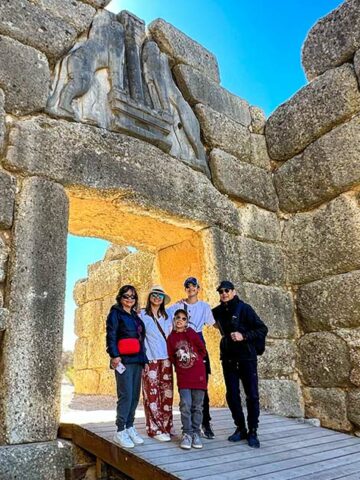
(159,438)
(116,440)
(197,446)
(187,447)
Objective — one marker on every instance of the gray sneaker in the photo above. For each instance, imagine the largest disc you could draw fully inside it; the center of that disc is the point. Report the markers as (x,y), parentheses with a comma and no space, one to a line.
(186,441)
(196,441)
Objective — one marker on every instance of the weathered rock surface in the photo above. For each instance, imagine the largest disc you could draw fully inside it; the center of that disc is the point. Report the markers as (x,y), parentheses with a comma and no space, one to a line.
(78,14)
(75,154)
(328,405)
(97,3)
(330,303)
(116,252)
(7,199)
(258,120)
(28,93)
(259,153)
(327,167)
(278,359)
(323,242)
(199,88)
(89,319)
(4,252)
(332,40)
(27,461)
(30,24)
(259,224)
(2,121)
(354,406)
(4,315)
(324,360)
(355,364)
(87,382)
(314,110)
(283,397)
(79,292)
(220,131)
(242,180)
(30,383)
(182,49)
(274,306)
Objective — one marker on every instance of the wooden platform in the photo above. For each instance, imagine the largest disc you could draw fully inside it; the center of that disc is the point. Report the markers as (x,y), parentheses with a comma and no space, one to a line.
(289,450)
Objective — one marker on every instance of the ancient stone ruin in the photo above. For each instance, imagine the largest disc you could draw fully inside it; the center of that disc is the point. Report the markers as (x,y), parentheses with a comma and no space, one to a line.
(124,133)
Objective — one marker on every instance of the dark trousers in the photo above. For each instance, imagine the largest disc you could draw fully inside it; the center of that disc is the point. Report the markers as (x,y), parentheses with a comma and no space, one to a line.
(128,393)
(244,370)
(206,404)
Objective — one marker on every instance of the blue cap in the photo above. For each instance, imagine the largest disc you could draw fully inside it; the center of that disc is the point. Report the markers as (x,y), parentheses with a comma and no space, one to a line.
(226,284)
(192,280)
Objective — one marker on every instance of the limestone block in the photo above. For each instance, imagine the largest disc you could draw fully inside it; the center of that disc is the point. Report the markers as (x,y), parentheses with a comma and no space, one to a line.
(274,306)
(258,120)
(4,316)
(282,397)
(259,224)
(332,40)
(353,405)
(31,355)
(40,461)
(116,252)
(104,280)
(199,88)
(259,153)
(324,360)
(182,49)
(328,166)
(81,354)
(350,335)
(329,406)
(7,199)
(97,355)
(220,131)
(89,319)
(242,180)
(260,262)
(28,93)
(4,253)
(314,110)
(79,292)
(86,382)
(323,242)
(76,154)
(97,3)
(107,384)
(2,121)
(355,364)
(278,359)
(330,303)
(30,24)
(79,15)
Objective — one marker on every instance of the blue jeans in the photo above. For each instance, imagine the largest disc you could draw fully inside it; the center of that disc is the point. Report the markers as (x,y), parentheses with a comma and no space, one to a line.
(128,393)
(191,406)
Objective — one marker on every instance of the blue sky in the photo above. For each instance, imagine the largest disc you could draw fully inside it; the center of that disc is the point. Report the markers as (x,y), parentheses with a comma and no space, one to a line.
(258,47)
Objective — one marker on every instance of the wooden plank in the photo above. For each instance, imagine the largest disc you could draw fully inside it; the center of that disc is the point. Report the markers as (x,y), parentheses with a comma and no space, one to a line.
(124,460)
(65,431)
(348,472)
(284,469)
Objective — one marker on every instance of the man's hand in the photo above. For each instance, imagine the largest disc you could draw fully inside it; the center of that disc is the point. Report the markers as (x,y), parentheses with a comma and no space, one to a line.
(236,337)
(115,362)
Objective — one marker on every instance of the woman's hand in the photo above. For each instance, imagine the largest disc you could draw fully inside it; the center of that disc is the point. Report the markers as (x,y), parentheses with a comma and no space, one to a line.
(115,362)
(236,337)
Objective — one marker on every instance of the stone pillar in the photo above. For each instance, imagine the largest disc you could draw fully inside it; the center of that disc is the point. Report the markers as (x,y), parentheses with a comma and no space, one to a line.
(32,345)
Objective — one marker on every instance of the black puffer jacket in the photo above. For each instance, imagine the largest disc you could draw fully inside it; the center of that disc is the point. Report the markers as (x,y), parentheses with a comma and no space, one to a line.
(248,324)
(119,325)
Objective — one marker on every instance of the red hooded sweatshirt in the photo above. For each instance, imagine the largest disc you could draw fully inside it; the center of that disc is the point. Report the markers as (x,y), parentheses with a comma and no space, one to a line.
(186,351)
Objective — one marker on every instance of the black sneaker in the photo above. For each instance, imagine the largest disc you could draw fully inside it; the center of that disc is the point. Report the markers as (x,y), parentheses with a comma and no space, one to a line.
(253,440)
(239,434)
(207,431)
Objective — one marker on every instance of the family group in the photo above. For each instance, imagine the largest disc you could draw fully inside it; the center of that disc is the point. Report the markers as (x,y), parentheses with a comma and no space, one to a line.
(145,344)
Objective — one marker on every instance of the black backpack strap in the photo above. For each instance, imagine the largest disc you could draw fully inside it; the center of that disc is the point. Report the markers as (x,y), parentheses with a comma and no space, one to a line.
(159,328)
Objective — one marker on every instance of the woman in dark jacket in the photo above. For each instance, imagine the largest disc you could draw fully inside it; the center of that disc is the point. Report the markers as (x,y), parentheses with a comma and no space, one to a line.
(124,325)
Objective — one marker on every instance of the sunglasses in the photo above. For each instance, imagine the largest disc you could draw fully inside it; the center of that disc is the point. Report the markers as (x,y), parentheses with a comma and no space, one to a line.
(128,297)
(158,295)
(224,290)
(181,318)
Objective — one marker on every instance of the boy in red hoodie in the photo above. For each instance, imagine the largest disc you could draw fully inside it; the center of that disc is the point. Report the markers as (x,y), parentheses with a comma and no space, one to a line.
(186,351)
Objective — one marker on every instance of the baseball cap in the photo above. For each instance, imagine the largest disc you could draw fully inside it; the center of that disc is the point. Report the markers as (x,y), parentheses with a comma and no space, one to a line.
(192,280)
(226,284)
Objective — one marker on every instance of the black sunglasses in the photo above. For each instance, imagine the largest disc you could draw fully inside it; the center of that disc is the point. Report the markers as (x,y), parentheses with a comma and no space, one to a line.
(224,290)
(128,297)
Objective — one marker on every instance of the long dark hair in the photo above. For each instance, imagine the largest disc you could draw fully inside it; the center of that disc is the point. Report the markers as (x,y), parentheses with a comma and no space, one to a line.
(162,310)
(125,289)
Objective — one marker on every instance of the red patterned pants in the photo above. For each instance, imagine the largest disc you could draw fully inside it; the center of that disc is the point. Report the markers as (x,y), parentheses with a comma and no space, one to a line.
(157,388)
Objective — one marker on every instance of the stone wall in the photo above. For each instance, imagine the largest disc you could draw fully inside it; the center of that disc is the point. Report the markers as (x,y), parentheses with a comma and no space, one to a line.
(314,138)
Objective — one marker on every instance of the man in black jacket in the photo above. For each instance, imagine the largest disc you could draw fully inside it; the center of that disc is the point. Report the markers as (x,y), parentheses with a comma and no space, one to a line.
(242,332)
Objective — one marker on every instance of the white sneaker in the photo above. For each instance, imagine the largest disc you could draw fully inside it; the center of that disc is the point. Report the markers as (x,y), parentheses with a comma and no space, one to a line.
(123,439)
(162,437)
(134,436)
